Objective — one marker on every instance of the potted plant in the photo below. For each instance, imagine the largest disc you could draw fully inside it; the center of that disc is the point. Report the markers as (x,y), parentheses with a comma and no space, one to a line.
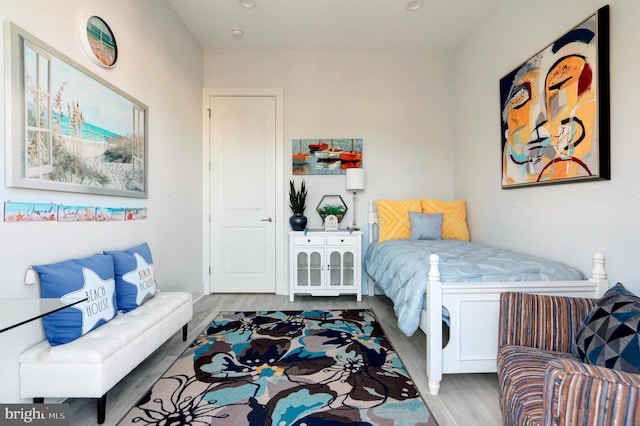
(297,202)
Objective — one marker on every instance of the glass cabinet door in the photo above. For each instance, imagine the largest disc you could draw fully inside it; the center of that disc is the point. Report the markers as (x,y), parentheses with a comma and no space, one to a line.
(341,268)
(302,264)
(335,269)
(315,269)
(309,269)
(348,269)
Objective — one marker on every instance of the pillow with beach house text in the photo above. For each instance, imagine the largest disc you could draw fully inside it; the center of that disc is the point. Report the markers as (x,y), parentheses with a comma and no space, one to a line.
(69,281)
(135,280)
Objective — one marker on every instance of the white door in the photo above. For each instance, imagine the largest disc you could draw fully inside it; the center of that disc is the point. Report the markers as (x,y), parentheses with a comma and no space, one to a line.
(242,194)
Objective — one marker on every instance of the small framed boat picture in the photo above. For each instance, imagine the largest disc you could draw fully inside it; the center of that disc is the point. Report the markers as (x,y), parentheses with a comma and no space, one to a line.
(325,156)
(98,42)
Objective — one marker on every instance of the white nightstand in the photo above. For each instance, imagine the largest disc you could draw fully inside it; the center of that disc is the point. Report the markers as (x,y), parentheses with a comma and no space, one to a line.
(325,263)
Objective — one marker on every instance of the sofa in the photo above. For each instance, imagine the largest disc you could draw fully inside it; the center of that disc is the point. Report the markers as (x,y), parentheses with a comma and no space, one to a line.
(547,362)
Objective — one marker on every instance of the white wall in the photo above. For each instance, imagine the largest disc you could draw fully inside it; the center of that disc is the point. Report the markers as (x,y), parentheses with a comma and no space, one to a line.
(159,64)
(399,103)
(565,222)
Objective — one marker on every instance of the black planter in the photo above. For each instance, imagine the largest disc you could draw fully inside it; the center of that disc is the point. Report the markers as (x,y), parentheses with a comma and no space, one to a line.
(298,222)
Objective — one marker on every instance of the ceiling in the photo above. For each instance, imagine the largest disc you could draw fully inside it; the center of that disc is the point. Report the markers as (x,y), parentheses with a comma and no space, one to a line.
(332,24)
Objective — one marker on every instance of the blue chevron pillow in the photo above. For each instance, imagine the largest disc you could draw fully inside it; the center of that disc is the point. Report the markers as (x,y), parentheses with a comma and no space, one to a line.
(610,334)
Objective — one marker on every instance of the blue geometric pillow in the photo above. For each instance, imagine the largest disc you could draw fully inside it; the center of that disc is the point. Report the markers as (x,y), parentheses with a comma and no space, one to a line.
(74,279)
(610,334)
(135,282)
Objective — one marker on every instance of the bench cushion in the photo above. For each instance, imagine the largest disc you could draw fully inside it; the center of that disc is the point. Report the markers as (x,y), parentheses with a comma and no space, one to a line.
(106,354)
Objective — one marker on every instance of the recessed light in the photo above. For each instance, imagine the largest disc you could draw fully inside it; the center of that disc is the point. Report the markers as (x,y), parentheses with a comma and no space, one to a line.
(415,5)
(237,33)
(248,4)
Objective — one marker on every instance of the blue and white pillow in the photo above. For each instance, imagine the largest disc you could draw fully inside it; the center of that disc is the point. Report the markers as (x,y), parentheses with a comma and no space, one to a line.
(135,280)
(74,279)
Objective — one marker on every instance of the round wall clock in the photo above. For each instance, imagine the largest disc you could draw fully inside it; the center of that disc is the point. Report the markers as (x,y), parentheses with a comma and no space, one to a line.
(99,42)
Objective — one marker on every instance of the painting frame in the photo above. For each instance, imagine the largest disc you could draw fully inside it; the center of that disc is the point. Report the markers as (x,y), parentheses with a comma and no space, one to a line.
(555,126)
(68,129)
(325,156)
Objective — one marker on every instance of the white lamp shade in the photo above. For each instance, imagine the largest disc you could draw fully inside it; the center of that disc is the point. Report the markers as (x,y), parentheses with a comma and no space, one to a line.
(354,179)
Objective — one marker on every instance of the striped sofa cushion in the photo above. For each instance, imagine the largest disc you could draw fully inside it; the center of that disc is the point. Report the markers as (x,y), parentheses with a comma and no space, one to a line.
(616,401)
(521,373)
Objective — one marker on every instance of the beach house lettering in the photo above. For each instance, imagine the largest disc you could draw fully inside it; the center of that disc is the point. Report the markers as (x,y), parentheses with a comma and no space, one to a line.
(97,301)
(145,277)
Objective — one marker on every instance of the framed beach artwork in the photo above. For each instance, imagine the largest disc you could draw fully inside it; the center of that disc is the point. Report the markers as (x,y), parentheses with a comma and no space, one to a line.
(67,128)
(555,110)
(325,156)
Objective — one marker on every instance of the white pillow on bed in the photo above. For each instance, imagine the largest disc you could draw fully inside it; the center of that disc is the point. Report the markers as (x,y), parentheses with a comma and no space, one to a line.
(426,226)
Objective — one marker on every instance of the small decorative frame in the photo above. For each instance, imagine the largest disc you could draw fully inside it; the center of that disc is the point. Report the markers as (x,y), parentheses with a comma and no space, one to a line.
(98,42)
(331,223)
(555,110)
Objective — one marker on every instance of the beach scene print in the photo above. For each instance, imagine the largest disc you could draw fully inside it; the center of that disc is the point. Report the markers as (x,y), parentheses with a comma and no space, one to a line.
(325,156)
(76,213)
(110,214)
(136,213)
(79,132)
(30,212)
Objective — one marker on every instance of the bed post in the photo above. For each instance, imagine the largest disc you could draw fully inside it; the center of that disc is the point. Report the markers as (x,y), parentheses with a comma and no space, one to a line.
(434,326)
(599,273)
(372,220)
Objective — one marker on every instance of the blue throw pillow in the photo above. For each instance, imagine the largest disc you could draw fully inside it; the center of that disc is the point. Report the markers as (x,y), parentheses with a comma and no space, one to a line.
(610,334)
(74,279)
(426,226)
(135,281)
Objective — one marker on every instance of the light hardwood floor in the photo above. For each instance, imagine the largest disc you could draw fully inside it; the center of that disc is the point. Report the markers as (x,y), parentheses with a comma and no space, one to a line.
(464,399)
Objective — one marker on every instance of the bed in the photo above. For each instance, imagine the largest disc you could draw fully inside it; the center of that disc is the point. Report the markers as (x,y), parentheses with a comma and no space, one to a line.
(466,307)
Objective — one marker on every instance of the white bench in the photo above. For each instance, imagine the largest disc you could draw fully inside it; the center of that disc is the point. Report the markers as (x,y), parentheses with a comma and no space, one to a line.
(92,364)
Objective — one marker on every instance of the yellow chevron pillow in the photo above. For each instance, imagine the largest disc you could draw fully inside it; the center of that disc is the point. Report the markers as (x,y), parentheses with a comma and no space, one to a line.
(454,222)
(393,218)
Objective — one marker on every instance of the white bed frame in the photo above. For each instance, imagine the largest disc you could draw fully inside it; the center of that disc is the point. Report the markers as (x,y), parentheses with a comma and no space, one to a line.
(474,309)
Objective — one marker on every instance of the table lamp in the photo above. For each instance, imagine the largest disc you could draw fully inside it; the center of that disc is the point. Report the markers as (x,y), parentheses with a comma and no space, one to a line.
(354,180)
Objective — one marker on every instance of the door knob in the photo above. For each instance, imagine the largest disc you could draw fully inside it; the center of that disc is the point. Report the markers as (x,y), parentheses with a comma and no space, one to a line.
(267,219)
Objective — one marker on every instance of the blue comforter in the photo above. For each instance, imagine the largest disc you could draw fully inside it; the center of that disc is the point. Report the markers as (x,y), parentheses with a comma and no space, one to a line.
(400,268)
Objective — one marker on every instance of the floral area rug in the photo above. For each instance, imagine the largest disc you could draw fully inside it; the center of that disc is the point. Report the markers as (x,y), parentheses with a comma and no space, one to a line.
(286,368)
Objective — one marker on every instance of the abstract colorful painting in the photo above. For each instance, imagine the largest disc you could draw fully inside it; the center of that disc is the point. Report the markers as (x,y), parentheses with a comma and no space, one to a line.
(325,156)
(555,110)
